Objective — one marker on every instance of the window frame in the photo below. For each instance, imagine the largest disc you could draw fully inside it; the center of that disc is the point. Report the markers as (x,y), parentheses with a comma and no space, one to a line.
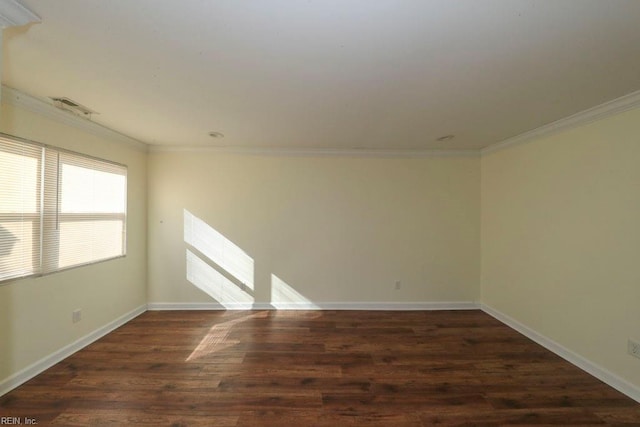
(42,260)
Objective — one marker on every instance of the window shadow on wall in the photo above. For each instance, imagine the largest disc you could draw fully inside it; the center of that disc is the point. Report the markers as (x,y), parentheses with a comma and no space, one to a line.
(217,266)
(285,297)
(225,272)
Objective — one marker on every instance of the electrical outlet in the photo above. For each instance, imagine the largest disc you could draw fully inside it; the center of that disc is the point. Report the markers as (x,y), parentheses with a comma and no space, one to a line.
(398,284)
(76,316)
(633,348)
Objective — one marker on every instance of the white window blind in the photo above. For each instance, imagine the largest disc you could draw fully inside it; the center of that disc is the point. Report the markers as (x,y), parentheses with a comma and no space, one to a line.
(20,208)
(58,209)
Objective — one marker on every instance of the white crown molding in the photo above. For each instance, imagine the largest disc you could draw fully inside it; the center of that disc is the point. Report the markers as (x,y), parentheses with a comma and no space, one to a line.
(376,306)
(313,152)
(14,14)
(607,109)
(24,375)
(17,98)
(610,108)
(597,371)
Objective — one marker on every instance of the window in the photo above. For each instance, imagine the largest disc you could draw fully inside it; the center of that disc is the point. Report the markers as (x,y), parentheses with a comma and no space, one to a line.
(20,208)
(58,209)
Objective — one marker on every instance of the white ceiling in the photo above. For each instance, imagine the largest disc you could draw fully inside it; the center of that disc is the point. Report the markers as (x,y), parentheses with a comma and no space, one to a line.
(328,74)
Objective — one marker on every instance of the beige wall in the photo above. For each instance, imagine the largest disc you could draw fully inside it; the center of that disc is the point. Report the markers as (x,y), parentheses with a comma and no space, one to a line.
(561,238)
(333,230)
(35,313)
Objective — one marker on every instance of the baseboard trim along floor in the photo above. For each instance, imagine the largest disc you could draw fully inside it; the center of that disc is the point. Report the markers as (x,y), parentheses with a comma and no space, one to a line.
(45,363)
(586,365)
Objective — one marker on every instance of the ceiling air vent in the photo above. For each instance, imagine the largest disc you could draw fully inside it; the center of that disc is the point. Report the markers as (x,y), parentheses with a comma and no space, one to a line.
(67,104)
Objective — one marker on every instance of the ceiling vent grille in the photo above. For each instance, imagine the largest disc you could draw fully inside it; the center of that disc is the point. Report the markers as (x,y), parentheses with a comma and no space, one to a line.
(67,104)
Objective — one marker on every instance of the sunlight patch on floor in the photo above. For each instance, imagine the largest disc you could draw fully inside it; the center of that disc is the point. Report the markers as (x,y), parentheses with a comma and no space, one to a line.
(217,339)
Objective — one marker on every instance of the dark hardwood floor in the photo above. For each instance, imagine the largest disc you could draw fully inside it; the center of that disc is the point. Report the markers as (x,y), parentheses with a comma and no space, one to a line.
(317,368)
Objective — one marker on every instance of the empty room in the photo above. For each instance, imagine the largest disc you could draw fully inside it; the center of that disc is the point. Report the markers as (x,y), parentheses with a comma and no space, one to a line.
(320,213)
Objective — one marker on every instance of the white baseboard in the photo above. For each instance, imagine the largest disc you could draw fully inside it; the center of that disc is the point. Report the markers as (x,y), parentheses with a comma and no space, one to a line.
(395,306)
(41,365)
(380,306)
(586,365)
(168,306)
(597,371)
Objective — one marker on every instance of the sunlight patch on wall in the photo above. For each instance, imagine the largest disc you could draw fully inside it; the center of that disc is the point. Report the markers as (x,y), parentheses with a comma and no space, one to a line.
(284,297)
(218,249)
(215,284)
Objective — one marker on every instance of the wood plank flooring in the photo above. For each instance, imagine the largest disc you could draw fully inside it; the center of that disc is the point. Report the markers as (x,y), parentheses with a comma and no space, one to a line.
(317,368)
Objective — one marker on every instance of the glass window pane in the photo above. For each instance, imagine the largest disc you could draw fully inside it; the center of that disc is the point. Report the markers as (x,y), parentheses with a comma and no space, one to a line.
(82,242)
(87,190)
